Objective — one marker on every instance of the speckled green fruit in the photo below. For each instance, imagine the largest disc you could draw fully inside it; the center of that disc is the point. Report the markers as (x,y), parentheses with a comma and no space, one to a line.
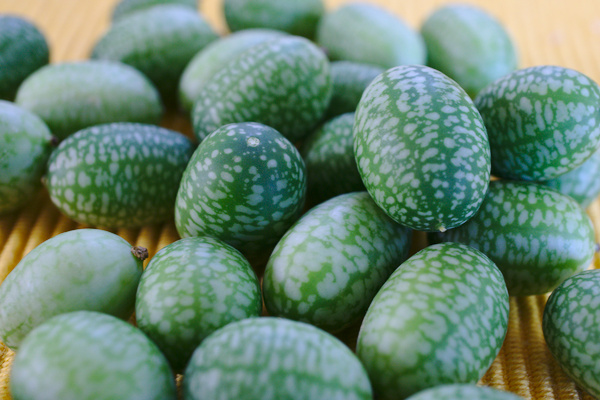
(370,34)
(272,359)
(87,355)
(582,183)
(440,318)
(72,96)
(330,164)
(284,83)
(23,49)
(349,81)
(469,45)
(190,289)
(25,145)
(214,57)
(536,236)
(571,328)
(245,185)
(84,269)
(541,121)
(118,175)
(421,148)
(330,264)
(296,17)
(128,7)
(159,42)
(464,392)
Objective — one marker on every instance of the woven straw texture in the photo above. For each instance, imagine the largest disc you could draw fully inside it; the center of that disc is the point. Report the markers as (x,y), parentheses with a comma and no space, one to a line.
(546,32)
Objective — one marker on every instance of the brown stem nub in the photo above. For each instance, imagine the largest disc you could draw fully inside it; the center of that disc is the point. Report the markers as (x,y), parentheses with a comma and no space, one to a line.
(140,252)
(54,141)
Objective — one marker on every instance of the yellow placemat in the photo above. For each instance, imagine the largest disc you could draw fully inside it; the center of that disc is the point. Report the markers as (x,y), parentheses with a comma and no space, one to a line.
(546,32)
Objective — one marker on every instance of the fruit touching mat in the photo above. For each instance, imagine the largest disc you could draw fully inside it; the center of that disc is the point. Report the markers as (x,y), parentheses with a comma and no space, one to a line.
(546,32)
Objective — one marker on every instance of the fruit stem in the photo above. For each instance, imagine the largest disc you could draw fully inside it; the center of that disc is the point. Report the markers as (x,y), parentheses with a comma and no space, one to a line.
(139,252)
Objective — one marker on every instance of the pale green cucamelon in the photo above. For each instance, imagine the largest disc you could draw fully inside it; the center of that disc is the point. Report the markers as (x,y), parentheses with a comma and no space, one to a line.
(464,391)
(127,7)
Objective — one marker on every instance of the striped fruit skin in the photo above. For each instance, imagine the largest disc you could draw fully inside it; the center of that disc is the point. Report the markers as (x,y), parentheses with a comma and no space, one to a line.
(325,272)
(159,42)
(23,50)
(440,318)
(214,57)
(292,16)
(118,175)
(541,121)
(274,358)
(84,269)
(582,183)
(72,96)
(128,7)
(349,81)
(25,145)
(463,391)
(190,289)
(284,83)
(421,148)
(536,236)
(245,185)
(330,164)
(87,355)
(370,34)
(469,45)
(570,325)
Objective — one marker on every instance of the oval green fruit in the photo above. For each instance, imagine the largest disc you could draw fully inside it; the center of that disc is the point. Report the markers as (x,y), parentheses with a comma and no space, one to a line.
(541,121)
(87,355)
(25,145)
(464,391)
(536,236)
(273,358)
(469,45)
(190,289)
(324,271)
(440,318)
(421,148)
(127,7)
(369,34)
(284,83)
(292,16)
(213,58)
(572,331)
(159,42)
(84,269)
(23,50)
(72,96)
(245,185)
(118,175)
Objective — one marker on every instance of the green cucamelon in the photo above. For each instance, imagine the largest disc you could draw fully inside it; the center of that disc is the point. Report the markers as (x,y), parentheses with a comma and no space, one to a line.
(464,391)
(127,7)
(118,175)
(421,148)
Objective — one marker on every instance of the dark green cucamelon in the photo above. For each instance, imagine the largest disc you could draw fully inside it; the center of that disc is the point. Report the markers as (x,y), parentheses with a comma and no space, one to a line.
(536,236)
(159,42)
(214,57)
(541,121)
(84,269)
(127,7)
(25,145)
(23,50)
(324,270)
(190,289)
(245,185)
(464,391)
(367,33)
(284,83)
(118,175)
(440,318)
(88,355)
(421,148)
(272,359)
(469,45)
(72,96)
(295,17)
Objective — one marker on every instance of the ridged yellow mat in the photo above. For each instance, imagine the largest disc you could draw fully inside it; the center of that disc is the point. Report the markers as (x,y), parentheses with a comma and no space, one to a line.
(559,32)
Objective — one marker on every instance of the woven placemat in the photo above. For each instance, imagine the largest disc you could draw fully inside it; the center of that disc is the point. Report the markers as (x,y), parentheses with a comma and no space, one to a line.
(546,32)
